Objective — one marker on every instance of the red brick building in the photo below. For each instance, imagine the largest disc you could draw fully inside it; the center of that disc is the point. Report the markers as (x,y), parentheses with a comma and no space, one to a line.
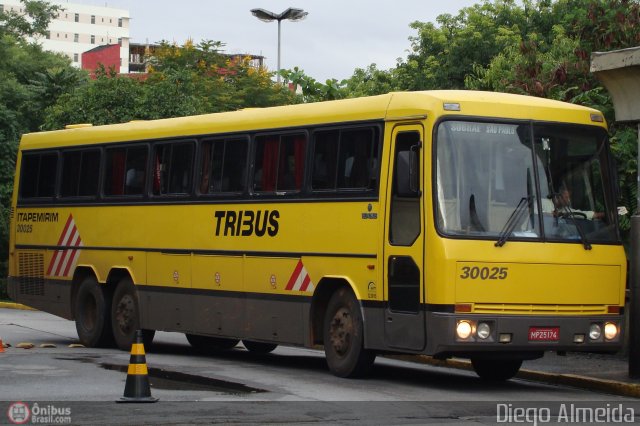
(107,55)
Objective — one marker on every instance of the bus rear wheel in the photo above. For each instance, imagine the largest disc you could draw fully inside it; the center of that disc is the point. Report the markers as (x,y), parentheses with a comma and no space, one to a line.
(211,344)
(496,370)
(92,309)
(344,337)
(259,347)
(125,316)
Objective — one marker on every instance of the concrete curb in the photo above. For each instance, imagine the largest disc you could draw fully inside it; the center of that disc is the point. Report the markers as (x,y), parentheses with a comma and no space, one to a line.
(12,305)
(591,383)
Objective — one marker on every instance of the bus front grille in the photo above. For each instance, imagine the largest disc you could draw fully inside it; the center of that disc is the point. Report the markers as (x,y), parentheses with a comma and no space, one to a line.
(31,273)
(507,308)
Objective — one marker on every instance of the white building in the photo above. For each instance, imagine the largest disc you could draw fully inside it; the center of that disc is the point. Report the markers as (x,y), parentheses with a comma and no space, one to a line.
(79,28)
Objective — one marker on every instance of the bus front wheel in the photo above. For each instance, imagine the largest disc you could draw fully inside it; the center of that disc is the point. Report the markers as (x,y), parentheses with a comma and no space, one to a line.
(92,308)
(344,336)
(125,316)
(496,370)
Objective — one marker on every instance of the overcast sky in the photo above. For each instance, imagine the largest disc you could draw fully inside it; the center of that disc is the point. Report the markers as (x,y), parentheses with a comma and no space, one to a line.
(336,37)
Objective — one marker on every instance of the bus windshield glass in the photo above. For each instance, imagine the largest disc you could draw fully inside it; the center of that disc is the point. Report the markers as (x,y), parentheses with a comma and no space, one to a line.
(494,179)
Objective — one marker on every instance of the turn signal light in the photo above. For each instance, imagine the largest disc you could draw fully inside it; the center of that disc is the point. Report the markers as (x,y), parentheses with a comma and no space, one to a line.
(463,307)
(613,309)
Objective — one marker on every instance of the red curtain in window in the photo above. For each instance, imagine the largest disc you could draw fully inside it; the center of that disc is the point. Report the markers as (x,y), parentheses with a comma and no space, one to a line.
(270,164)
(117,173)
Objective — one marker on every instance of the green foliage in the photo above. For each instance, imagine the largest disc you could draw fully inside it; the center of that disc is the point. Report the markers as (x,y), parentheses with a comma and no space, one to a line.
(30,81)
(313,90)
(187,80)
(442,55)
(371,81)
(33,22)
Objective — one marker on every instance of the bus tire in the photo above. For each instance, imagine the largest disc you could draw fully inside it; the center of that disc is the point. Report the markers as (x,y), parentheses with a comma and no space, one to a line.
(92,308)
(496,370)
(259,347)
(125,316)
(344,336)
(208,344)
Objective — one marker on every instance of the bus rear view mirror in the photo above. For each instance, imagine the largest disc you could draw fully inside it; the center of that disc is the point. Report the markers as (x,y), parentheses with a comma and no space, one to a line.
(408,173)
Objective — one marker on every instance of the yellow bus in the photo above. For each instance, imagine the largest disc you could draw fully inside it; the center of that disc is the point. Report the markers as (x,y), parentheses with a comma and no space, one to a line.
(447,223)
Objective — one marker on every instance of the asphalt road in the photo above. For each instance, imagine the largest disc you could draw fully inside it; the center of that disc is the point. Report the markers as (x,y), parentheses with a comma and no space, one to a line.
(289,386)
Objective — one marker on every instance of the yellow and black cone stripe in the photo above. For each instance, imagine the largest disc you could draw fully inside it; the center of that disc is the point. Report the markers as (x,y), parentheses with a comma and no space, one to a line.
(137,387)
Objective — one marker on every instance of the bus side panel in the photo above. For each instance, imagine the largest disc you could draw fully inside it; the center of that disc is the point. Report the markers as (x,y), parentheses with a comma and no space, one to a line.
(218,305)
(50,296)
(274,308)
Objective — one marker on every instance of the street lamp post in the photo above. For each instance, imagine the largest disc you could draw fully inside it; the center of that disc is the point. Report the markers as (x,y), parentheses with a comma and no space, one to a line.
(291,14)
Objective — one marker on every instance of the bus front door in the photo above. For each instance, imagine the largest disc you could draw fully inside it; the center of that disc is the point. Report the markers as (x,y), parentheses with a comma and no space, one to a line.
(404,246)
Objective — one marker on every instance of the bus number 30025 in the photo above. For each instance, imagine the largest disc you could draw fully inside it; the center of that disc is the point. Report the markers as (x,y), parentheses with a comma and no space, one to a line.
(484,273)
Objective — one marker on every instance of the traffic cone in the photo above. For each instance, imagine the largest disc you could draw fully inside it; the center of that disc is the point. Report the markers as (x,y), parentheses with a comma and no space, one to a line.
(1,346)
(137,388)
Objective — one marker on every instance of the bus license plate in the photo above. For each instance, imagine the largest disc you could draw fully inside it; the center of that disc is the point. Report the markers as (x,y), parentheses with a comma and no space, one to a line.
(544,334)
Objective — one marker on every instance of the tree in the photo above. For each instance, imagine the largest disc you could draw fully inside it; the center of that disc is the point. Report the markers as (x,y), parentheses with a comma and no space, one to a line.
(33,22)
(371,81)
(557,67)
(441,56)
(30,80)
(187,80)
(311,89)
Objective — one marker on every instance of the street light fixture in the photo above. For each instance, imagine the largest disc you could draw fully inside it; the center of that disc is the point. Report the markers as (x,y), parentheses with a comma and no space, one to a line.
(291,14)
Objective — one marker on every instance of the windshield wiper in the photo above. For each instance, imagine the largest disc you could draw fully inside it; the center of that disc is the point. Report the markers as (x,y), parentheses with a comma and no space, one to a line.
(566,210)
(515,218)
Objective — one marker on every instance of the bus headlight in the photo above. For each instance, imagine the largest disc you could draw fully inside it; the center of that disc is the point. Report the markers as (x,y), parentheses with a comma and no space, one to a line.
(610,331)
(483,331)
(595,332)
(464,330)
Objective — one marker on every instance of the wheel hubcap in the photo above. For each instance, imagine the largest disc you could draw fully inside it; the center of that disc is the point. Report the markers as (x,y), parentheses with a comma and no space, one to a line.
(125,311)
(341,331)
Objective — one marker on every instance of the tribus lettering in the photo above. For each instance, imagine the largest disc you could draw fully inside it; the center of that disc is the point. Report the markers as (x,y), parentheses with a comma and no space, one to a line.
(245,223)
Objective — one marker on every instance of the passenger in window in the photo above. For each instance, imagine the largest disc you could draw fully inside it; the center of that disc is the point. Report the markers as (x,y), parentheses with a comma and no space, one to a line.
(134,181)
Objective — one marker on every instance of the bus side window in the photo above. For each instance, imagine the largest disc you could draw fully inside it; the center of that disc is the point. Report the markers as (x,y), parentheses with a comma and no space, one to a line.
(224,163)
(126,171)
(173,168)
(405,196)
(279,163)
(80,173)
(345,159)
(358,159)
(38,175)
(325,160)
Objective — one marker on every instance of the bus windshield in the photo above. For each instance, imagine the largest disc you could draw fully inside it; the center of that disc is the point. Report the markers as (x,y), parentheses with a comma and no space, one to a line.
(494,179)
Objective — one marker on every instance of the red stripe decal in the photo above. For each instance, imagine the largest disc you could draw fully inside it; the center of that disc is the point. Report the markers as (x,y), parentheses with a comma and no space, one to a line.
(294,276)
(305,283)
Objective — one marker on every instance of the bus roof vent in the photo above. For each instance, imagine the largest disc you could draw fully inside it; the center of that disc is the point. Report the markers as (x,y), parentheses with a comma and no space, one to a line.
(78,126)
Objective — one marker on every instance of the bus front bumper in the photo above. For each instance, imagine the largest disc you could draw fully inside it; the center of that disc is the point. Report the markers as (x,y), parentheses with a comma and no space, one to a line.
(469,335)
